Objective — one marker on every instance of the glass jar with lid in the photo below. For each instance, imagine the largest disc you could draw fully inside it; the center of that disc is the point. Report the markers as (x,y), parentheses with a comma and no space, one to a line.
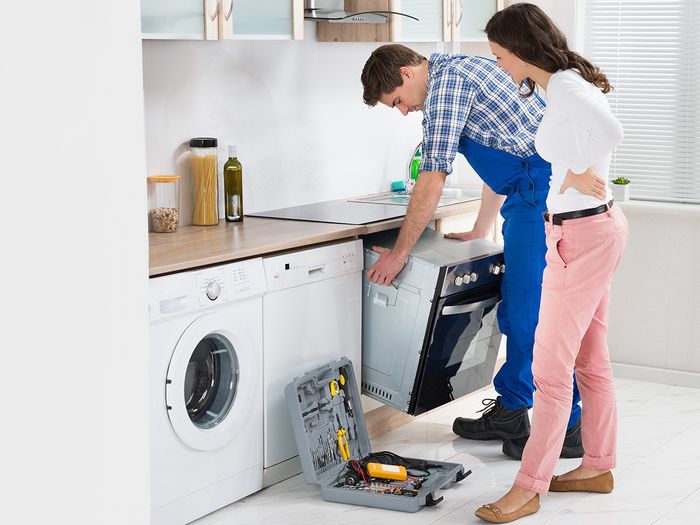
(164,203)
(205,181)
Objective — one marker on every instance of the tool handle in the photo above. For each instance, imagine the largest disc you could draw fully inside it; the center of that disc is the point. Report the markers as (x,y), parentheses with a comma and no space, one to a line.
(334,388)
(343,444)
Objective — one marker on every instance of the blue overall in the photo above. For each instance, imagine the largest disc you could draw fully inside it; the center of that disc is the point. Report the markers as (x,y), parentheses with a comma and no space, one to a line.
(525,183)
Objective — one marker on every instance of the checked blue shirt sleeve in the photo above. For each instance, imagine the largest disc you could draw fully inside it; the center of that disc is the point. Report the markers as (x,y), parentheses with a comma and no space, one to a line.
(445,115)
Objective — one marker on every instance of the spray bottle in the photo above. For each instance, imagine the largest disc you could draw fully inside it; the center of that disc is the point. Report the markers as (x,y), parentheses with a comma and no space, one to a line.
(414,168)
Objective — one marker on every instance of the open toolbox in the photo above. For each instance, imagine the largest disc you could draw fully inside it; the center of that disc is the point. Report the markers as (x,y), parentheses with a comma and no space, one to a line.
(334,448)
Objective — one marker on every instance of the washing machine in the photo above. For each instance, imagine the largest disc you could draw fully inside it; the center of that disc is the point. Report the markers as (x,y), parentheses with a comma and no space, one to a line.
(206,402)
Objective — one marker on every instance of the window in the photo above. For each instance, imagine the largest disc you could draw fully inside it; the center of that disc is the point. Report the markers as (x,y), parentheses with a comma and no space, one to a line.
(650,51)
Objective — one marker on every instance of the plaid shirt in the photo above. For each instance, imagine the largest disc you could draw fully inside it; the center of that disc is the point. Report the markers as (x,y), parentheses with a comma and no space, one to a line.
(472,97)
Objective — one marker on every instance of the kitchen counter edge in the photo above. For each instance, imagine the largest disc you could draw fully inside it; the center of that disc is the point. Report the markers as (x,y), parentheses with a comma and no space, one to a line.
(198,246)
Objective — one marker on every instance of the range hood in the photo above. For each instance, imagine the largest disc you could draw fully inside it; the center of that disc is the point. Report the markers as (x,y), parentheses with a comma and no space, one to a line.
(334,11)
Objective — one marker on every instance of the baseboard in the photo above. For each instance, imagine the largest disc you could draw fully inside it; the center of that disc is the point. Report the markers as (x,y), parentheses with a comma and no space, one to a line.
(657,375)
(281,471)
(385,419)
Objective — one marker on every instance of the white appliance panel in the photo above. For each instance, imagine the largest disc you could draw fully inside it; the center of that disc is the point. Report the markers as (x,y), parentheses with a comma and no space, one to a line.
(312,314)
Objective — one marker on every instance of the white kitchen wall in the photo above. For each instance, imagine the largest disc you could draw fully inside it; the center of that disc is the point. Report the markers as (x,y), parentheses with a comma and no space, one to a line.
(295,110)
(74,335)
(654,332)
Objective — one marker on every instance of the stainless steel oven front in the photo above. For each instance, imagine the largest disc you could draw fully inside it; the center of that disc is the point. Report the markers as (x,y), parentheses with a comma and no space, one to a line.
(432,336)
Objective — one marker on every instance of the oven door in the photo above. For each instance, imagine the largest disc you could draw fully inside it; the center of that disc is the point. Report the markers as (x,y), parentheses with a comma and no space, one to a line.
(460,353)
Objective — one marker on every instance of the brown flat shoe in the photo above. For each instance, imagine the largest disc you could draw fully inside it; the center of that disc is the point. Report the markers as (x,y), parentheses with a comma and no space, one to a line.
(493,514)
(602,483)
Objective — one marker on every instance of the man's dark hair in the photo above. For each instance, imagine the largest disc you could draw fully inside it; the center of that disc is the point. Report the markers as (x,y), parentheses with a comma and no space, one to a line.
(382,75)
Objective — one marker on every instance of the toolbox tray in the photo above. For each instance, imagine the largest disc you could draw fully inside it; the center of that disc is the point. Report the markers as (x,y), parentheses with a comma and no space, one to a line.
(316,414)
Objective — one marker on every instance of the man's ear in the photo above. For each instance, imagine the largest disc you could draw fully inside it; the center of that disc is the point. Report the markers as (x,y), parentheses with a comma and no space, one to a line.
(406,72)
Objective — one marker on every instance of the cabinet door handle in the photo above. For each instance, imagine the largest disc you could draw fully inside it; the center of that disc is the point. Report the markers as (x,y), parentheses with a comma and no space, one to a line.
(461,10)
(213,16)
(230,11)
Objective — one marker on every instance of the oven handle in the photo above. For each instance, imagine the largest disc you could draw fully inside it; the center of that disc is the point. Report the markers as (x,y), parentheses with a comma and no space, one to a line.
(470,307)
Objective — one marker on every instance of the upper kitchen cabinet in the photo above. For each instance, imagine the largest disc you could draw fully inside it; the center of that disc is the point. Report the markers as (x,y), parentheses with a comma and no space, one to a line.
(468,18)
(432,24)
(222,19)
(453,21)
(178,19)
(270,20)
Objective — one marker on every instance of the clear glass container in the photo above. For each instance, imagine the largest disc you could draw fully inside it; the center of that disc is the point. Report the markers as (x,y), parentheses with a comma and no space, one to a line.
(164,203)
(205,181)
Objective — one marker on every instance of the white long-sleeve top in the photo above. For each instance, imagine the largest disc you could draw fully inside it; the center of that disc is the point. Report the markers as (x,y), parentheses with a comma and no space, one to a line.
(577,131)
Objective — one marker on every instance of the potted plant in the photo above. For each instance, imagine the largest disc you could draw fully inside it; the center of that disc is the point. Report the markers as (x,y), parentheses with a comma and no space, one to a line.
(621,189)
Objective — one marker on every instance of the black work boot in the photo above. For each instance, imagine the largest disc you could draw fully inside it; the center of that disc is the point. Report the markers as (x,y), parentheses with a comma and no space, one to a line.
(497,422)
(572,447)
(573,444)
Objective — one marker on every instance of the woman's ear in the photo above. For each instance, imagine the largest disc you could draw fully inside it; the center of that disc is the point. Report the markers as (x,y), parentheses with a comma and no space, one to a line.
(406,72)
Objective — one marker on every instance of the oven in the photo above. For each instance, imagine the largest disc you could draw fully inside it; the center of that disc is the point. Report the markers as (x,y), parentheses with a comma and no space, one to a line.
(432,336)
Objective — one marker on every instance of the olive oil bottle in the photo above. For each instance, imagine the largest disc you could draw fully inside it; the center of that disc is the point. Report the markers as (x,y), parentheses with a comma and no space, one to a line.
(233,187)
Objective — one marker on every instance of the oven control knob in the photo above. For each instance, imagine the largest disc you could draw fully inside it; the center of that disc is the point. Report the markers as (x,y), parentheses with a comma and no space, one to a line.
(459,280)
(497,268)
(471,277)
(213,290)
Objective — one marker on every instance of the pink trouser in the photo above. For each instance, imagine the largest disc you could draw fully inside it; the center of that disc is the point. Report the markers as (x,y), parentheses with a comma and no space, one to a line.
(582,255)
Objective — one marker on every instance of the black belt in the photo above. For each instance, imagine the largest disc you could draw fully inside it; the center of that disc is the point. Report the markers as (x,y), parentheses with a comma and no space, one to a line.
(558,218)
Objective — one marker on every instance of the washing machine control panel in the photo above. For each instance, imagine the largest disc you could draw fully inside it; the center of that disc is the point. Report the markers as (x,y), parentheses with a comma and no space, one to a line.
(175,294)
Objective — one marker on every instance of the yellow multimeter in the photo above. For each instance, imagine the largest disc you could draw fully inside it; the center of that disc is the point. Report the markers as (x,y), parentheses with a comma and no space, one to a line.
(380,470)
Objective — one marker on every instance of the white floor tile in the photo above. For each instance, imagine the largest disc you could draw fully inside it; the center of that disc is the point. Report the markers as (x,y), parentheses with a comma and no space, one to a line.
(657,479)
(687,511)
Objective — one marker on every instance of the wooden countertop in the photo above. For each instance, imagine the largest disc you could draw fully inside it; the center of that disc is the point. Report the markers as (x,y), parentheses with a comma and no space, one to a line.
(196,246)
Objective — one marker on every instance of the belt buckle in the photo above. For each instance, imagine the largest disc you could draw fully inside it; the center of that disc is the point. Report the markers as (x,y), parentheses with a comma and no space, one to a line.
(551,218)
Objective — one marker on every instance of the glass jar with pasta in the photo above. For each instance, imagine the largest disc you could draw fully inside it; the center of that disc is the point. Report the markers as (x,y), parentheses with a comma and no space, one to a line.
(205,181)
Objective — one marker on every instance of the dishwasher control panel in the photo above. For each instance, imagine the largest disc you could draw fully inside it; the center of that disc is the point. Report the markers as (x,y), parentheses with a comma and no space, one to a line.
(313,264)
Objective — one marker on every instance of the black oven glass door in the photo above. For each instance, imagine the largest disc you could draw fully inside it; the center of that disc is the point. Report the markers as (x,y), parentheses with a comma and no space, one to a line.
(462,348)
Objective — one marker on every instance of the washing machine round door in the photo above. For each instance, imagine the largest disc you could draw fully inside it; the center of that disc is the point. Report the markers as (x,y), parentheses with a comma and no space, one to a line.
(208,383)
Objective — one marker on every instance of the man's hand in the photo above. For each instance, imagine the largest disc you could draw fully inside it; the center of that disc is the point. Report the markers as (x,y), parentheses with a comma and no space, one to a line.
(468,236)
(421,208)
(486,219)
(387,266)
(588,183)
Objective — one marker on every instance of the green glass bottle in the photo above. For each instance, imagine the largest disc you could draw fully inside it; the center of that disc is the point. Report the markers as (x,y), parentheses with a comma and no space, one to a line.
(233,187)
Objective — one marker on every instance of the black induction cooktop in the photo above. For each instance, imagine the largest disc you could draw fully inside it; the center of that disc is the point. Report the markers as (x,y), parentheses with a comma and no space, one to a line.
(338,212)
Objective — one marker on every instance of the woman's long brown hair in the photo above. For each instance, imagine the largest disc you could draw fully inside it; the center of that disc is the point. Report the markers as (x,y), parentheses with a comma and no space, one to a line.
(527,32)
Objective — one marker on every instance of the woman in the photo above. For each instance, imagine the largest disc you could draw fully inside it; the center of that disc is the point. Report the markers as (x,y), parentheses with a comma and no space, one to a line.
(585,242)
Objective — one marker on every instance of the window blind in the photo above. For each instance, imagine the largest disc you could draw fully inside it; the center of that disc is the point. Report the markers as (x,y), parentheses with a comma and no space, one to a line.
(650,51)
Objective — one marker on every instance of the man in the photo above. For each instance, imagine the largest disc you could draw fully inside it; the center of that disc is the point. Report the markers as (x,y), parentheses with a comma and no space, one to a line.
(471,106)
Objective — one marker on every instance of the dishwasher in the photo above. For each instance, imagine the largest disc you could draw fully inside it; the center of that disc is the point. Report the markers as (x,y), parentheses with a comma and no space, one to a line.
(312,315)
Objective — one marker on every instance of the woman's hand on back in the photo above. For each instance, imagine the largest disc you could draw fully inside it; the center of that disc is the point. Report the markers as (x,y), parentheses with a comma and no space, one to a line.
(588,183)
